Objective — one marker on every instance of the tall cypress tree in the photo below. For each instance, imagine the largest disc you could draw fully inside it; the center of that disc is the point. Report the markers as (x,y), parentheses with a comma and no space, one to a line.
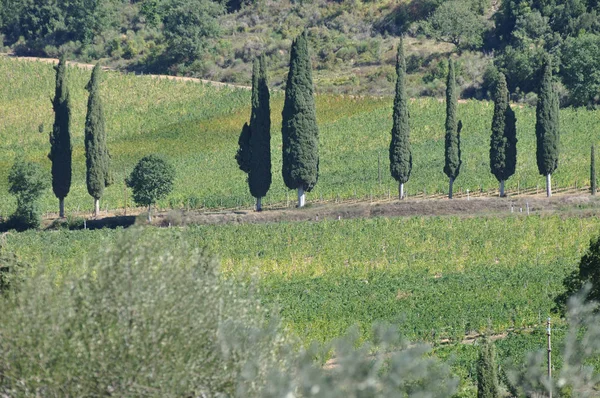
(547,126)
(453,129)
(259,176)
(593,170)
(300,133)
(60,138)
(400,154)
(487,378)
(97,158)
(242,155)
(503,142)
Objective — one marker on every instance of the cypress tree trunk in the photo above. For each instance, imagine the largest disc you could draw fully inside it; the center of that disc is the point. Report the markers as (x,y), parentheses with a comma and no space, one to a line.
(258,204)
(502,189)
(547,126)
(299,130)
(150,213)
(301,197)
(97,158)
(96,207)
(60,138)
(593,170)
(400,152)
(453,128)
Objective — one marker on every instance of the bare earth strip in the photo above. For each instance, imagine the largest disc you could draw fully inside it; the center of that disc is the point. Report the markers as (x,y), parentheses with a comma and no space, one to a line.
(576,205)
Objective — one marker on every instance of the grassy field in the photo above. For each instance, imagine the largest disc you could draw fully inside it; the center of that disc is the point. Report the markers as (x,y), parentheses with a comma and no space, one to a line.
(435,277)
(197,126)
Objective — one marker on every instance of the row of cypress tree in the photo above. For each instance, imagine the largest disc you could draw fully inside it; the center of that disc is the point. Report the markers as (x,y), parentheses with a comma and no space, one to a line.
(503,141)
(300,134)
(96,150)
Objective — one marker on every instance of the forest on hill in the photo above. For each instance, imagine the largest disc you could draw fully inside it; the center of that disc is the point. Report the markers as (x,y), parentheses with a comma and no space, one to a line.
(352,42)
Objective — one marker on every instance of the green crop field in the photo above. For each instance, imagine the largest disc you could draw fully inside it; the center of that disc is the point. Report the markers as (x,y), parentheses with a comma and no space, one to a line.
(435,277)
(197,126)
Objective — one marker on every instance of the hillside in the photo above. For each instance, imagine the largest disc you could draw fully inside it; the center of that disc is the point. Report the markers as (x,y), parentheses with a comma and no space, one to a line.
(197,127)
(352,42)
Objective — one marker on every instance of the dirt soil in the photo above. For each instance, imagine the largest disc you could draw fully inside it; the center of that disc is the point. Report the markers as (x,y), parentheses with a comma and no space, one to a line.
(575,205)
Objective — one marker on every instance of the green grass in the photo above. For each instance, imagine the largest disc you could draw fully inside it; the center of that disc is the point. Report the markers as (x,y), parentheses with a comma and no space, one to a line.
(434,277)
(197,126)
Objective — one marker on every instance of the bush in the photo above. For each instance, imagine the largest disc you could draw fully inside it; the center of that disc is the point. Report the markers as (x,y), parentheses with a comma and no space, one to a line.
(27,182)
(142,320)
(147,319)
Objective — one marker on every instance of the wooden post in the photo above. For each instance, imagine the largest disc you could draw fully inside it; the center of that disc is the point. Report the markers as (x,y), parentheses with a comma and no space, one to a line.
(548,331)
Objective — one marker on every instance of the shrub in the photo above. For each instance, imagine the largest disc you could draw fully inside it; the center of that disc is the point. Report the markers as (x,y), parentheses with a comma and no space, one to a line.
(143,319)
(27,182)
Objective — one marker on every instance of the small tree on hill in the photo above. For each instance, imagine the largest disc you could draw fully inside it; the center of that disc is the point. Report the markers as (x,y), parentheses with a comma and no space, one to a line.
(547,126)
(487,378)
(503,143)
(27,181)
(300,133)
(400,153)
(151,180)
(593,179)
(60,138)
(96,151)
(453,129)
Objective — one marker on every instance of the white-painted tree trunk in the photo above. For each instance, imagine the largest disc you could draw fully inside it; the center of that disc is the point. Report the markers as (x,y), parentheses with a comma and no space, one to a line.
(450,188)
(549,185)
(401,191)
(502,188)
(301,197)
(61,208)
(150,213)
(258,204)
(96,207)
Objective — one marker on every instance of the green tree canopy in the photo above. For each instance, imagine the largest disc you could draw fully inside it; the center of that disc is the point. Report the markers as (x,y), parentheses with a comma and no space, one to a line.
(27,181)
(96,150)
(580,69)
(151,180)
(300,133)
(400,153)
(455,22)
(60,138)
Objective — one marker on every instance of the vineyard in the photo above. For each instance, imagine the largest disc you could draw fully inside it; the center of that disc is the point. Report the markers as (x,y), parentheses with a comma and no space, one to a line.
(438,278)
(197,126)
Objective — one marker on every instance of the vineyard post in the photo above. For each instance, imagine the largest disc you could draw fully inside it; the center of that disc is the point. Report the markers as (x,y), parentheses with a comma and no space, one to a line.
(379,168)
(548,331)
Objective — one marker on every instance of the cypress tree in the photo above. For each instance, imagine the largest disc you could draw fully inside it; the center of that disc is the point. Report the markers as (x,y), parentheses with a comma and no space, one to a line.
(503,142)
(487,378)
(400,153)
(97,158)
(60,138)
(300,133)
(547,126)
(593,170)
(259,176)
(453,129)
(243,153)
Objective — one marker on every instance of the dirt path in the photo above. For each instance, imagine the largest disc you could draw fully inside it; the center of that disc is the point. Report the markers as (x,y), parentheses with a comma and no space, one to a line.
(581,205)
(91,66)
